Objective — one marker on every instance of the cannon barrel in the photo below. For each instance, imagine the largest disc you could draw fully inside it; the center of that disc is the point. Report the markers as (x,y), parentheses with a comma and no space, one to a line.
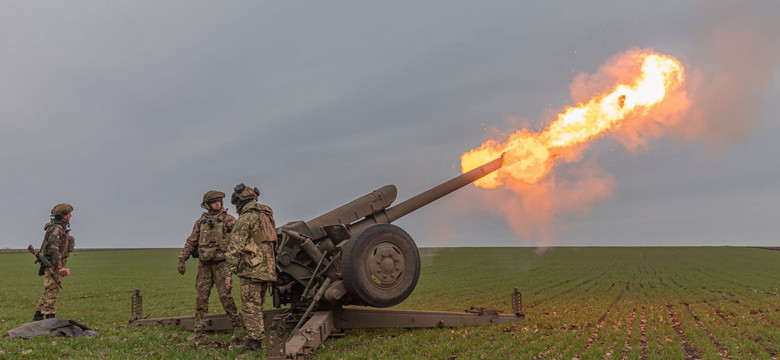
(433,194)
(396,212)
(374,208)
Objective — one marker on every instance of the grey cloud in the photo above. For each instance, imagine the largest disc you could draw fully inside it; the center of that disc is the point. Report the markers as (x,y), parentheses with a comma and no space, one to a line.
(131,111)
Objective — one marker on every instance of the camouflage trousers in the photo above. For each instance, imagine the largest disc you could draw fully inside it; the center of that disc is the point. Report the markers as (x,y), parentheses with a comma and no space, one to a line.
(210,274)
(51,291)
(252,299)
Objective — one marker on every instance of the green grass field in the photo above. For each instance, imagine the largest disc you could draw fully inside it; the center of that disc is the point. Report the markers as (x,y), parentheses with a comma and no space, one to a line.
(588,303)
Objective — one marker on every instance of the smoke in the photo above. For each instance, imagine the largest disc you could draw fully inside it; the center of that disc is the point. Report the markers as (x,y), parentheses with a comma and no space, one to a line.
(621,68)
(733,70)
(728,74)
(533,210)
(730,71)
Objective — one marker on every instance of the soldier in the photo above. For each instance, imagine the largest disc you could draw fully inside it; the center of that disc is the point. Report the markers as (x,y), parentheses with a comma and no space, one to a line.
(56,248)
(250,255)
(208,242)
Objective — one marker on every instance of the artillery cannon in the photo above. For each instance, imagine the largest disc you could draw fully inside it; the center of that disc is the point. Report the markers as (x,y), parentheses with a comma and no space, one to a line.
(351,255)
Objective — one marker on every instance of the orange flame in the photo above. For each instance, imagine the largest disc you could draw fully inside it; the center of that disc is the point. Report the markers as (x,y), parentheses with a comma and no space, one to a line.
(528,156)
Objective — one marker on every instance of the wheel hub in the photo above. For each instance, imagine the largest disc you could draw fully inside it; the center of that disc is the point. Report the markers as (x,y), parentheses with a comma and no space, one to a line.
(386,264)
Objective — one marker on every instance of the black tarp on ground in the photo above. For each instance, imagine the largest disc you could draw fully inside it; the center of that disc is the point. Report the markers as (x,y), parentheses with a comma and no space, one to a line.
(53,327)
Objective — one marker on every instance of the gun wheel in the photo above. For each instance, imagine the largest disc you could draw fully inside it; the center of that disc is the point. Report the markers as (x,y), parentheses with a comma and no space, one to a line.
(381,265)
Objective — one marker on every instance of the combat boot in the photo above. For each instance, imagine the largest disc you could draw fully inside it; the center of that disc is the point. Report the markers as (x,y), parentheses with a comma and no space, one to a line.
(38,316)
(254,344)
(51,316)
(250,345)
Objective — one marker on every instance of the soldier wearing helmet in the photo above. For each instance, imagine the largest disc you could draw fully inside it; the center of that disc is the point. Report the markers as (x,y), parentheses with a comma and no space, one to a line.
(251,256)
(56,247)
(208,242)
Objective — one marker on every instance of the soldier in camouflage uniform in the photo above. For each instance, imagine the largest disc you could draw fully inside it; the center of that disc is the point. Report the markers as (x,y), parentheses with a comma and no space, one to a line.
(208,242)
(56,247)
(251,256)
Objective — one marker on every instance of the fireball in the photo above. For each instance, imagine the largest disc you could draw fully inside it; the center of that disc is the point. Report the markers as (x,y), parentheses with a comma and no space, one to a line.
(528,156)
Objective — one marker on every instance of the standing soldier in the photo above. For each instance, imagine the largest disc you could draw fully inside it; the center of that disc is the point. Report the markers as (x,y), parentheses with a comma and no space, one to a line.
(56,247)
(208,242)
(251,256)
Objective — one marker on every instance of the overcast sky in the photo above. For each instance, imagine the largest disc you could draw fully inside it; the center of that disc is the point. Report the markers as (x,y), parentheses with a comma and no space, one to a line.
(130,111)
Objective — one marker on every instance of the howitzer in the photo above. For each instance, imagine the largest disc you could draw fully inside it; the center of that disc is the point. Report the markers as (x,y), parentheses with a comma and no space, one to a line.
(45,265)
(352,255)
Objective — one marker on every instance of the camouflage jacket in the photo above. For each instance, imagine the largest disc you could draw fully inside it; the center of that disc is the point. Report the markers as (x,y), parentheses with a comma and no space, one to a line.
(252,244)
(57,243)
(221,218)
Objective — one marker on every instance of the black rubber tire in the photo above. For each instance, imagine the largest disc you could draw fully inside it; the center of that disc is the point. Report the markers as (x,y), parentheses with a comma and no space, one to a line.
(381,265)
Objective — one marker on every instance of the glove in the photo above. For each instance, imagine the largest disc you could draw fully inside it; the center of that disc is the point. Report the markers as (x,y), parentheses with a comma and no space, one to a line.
(182,266)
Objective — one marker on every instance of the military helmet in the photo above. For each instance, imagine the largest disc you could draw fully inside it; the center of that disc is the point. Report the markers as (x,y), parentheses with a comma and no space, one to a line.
(212,196)
(61,209)
(243,193)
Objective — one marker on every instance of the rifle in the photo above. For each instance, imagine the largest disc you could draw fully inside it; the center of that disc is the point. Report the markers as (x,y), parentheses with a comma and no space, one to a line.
(44,264)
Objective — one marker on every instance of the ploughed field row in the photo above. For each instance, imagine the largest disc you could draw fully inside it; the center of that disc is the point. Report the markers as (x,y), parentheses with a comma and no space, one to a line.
(588,303)
(617,303)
